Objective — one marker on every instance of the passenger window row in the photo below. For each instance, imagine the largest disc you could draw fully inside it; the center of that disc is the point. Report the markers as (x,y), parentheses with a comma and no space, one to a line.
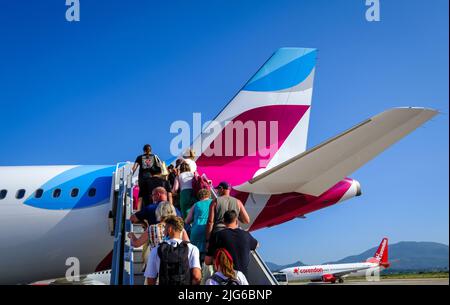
(39,192)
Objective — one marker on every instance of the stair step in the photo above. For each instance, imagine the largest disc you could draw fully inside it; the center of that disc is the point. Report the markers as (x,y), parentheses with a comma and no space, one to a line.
(138,260)
(139,280)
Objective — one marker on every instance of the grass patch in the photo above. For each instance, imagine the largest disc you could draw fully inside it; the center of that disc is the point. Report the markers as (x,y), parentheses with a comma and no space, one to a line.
(409,275)
(418,275)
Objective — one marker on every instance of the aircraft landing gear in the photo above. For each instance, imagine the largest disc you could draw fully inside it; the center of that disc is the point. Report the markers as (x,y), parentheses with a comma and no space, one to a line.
(340,280)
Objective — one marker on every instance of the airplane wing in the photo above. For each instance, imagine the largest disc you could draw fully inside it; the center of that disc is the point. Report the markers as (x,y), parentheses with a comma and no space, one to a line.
(318,169)
(342,273)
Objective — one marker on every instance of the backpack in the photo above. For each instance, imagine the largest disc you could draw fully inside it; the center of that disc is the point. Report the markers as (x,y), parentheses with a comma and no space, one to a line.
(227,282)
(152,165)
(199,183)
(174,264)
(147,166)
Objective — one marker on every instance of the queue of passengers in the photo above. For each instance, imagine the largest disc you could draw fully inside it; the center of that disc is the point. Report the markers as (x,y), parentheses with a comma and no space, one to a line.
(190,237)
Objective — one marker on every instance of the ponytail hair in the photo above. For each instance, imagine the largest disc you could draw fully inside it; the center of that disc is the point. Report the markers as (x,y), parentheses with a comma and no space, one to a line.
(224,260)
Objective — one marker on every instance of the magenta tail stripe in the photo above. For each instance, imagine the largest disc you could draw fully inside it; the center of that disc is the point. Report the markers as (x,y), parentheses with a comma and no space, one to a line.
(237,169)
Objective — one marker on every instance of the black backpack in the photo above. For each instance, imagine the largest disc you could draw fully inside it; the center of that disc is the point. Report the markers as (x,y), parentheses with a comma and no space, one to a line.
(174,264)
(227,282)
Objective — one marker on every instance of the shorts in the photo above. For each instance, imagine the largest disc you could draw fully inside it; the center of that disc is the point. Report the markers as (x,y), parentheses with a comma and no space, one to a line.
(145,192)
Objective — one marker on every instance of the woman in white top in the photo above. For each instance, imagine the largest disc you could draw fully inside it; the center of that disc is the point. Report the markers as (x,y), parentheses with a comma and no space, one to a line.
(189,157)
(225,273)
(183,182)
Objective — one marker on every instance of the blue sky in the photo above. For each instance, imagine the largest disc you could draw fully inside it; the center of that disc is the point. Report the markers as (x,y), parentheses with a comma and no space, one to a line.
(94,91)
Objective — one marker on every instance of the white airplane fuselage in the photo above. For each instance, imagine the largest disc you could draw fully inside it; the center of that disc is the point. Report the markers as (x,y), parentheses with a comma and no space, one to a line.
(37,236)
(318,272)
(332,272)
(42,231)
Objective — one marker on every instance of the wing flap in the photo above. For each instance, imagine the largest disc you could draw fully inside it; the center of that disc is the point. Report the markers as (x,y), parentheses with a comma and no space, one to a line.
(318,169)
(342,273)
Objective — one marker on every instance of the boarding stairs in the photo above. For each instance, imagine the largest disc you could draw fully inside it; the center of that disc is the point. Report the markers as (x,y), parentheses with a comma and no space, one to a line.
(127,263)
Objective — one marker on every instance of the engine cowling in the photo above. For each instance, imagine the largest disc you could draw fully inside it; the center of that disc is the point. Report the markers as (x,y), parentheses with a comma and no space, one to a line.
(353,191)
(329,278)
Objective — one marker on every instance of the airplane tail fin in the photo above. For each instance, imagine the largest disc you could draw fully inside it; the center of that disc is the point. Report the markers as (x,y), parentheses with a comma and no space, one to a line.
(265,124)
(381,256)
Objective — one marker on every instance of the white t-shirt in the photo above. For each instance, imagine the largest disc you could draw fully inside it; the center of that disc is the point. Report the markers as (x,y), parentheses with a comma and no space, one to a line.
(192,164)
(152,269)
(239,276)
(185,180)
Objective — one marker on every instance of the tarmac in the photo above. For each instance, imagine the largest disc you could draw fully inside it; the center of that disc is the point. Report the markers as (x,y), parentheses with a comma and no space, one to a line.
(419,281)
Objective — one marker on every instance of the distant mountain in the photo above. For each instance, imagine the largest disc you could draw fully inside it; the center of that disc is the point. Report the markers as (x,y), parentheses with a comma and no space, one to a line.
(405,256)
(274,267)
(409,256)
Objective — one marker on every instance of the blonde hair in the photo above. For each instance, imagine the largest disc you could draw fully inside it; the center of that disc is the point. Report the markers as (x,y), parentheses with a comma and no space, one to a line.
(203,193)
(164,210)
(176,222)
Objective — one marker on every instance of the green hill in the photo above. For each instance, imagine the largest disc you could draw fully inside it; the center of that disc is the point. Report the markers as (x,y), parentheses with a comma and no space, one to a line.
(274,267)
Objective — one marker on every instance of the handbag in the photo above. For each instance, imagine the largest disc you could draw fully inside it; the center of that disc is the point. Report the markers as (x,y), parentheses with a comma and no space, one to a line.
(162,166)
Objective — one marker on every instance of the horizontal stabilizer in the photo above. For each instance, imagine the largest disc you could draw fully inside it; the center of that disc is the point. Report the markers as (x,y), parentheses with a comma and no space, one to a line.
(318,169)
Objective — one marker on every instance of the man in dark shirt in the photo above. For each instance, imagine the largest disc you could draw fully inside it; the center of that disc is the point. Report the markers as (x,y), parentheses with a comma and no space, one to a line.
(149,178)
(146,163)
(236,241)
(148,213)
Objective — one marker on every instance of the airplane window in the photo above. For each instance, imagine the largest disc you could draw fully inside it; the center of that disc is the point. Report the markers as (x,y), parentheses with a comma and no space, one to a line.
(56,193)
(3,194)
(74,192)
(20,193)
(92,192)
(38,193)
